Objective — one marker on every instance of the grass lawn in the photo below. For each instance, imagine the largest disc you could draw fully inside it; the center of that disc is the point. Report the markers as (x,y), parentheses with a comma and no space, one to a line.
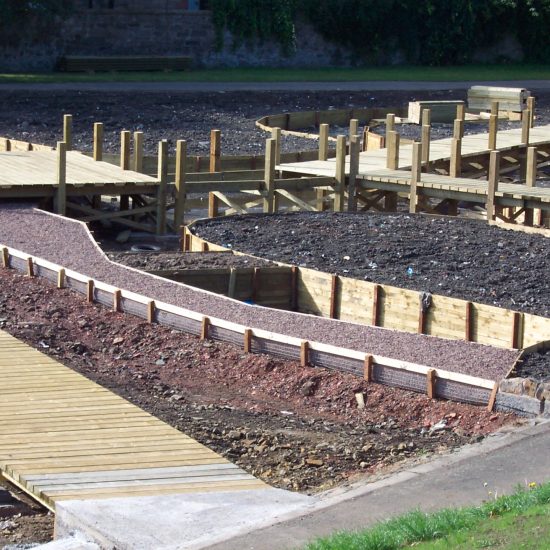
(520,520)
(456,74)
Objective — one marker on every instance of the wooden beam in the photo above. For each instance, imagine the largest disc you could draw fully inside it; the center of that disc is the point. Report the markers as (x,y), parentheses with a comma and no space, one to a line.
(323,141)
(426,138)
(151,308)
(415,176)
(517,330)
(469,318)
(455,166)
(61,194)
(461,115)
(61,278)
(376,299)
(368,368)
(247,340)
(215,150)
(493,398)
(494,108)
(294,288)
(90,291)
(180,182)
(431,377)
(531,109)
(5,257)
(492,184)
(162,177)
(340,175)
(390,123)
(213,205)
(117,297)
(232,287)
(493,130)
(205,324)
(334,289)
(68,131)
(30,267)
(530,181)
(525,126)
(354,152)
(138,152)
(125,150)
(98,141)
(353,128)
(256,282)
(269,176)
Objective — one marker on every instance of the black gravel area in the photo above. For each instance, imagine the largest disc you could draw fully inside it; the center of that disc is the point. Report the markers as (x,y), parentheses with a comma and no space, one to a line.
(68,243)
(535,365)
(456,257)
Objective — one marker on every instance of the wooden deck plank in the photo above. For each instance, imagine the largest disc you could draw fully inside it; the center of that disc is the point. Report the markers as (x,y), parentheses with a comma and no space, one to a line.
(63,436)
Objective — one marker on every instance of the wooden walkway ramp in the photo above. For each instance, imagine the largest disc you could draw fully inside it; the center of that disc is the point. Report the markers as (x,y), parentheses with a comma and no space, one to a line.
(472,145)
(63,437)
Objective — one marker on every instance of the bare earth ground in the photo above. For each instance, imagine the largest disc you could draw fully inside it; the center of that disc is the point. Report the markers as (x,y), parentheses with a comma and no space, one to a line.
(296,428)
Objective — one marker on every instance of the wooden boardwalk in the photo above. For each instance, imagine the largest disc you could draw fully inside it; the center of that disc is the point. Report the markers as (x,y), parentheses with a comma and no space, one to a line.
(35,174)
(64,437)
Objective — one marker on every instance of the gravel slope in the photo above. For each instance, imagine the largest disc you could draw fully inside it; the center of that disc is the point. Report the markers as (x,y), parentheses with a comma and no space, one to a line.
(66,242)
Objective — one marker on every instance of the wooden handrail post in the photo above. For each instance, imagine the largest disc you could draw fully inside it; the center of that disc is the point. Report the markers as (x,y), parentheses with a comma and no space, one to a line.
(353,128)
(125,150)
(416,174)
(276,135)
(323,141)
(180,183)
(98,141)
(426,138)
(340,175)
(354,152)
(162,177)
(492,184)
(213,205)
(215,150)
(525,126)
(455,167)
(493,130)
(392,161)
(269,176)
(390,123)
(138,152)
(531,108)
(61,195)
(530,180)
(68,131)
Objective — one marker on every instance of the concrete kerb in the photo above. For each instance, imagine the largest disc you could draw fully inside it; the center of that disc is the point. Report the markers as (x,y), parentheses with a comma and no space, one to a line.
(226,520)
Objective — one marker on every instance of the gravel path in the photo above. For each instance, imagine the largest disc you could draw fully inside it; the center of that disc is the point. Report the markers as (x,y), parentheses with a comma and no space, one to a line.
(455,257)
(66,242)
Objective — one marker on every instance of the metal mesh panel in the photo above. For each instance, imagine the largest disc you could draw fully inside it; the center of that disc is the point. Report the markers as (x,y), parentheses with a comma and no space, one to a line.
(397,378)
(103,297)
(178,322)
(46,273)
(76,285)
(278,349)
(18,264)
(225,335)
(456,391)
(133,308)
(330,361)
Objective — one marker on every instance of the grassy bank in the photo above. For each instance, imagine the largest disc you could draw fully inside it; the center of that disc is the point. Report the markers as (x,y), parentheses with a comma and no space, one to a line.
(520,520)
(429,74)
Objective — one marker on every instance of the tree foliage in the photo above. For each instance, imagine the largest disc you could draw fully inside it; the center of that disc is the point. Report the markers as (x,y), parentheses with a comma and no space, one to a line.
(429,32)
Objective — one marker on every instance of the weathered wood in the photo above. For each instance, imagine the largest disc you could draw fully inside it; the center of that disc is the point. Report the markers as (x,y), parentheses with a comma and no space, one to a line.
(61,278)
(180,182)
(530,181)
(213,205)
(68,131)
(138,152)
(294,288)
(215,150)
(151,308)
(334,297)
(517,331)
(455,166)
(5,257)
(276,135)
(376,298)
(162,186)
(205,324)
(125,150)
(323,141)
(98,141)
(269,176)
(415,177)
(340,175)
(117,297)
(468,314)
(61,195)
(247,340)
(441,111)
(431,377)
(368,369)
(525,126)
(494,108)
(353,128)
(90,291)
(493,398)
(304,353)
(426,138)
(461,115)
(233,274)
(30,267)
(492,184)
(493,130)
(531,109)
(390,123)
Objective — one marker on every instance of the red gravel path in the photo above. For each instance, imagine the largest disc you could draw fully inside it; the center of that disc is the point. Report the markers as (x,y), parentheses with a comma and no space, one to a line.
(67,243)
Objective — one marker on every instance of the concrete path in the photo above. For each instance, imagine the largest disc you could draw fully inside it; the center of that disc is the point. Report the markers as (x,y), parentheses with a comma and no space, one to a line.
(172,87)
(502,462)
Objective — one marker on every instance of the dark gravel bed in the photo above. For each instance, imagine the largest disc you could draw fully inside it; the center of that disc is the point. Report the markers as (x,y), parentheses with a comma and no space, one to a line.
(535,365)
(38,233)
(455,257)
(157,261)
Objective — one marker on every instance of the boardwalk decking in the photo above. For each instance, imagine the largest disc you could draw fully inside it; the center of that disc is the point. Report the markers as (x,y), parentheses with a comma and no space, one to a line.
(34,174)
(375,175)
(64,437)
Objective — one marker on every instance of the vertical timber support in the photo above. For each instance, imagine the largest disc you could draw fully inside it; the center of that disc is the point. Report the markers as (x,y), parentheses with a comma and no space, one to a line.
(392,162)
(61,194)
(340,176)
(416,172)
(180,183)
(269,176)
(276,135)
(215,150)
(426,138)
(493,126)
(354,152)
(492,184)
(530,180)
(323,141)
(138,152)
(162,177)
(124,164)
(68,131)
(98,141)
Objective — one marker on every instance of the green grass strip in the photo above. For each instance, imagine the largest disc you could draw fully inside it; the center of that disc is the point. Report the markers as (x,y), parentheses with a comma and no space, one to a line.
(417,526)
(516,72)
